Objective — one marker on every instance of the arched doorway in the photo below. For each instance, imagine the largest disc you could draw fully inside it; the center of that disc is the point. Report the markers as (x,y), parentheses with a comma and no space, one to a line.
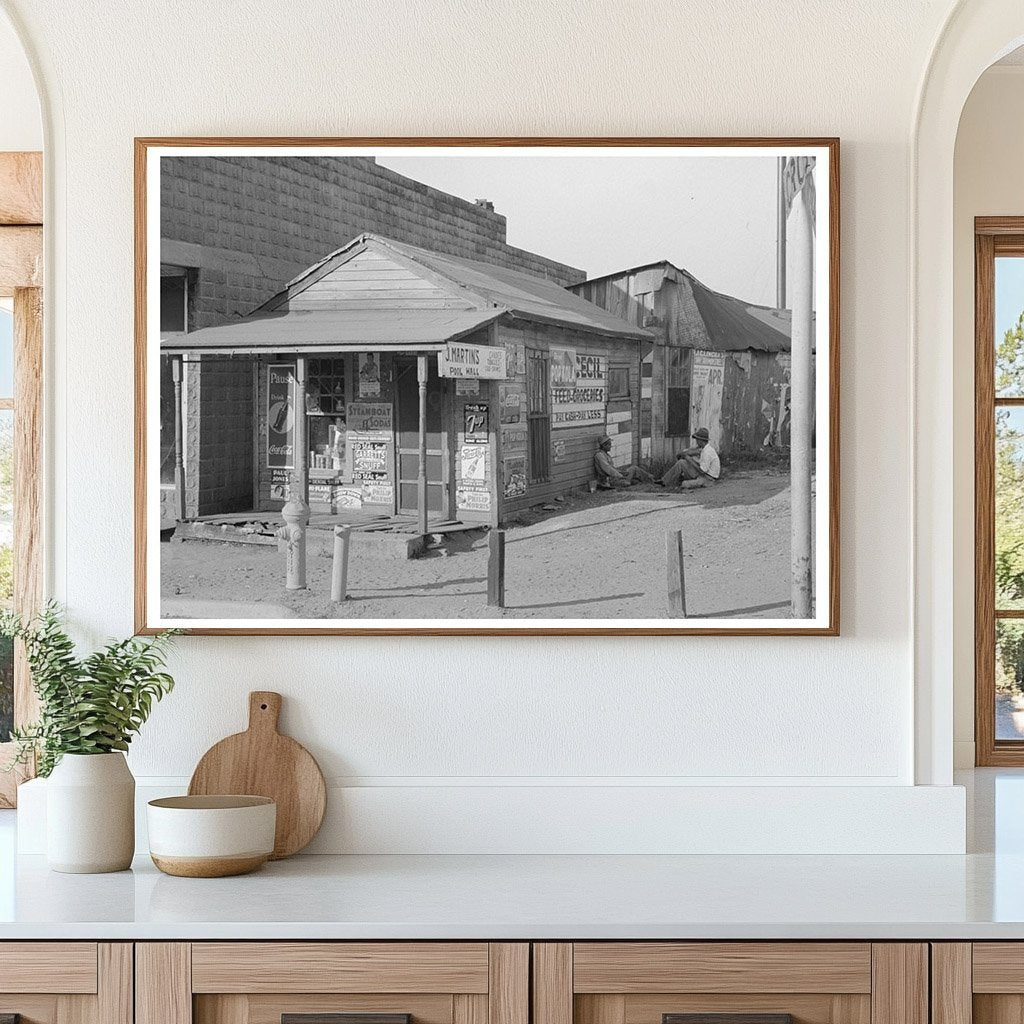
(977,33)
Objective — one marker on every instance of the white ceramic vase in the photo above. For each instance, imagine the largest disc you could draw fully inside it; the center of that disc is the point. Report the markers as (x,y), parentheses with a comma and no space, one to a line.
(90,814)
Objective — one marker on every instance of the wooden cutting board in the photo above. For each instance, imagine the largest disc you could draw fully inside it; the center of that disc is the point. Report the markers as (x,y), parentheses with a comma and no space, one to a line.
(262,762)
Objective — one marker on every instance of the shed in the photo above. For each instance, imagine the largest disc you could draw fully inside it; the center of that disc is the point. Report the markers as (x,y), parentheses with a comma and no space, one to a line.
(715,361)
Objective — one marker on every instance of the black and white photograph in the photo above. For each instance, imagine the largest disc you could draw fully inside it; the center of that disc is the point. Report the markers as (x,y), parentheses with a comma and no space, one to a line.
(545,386)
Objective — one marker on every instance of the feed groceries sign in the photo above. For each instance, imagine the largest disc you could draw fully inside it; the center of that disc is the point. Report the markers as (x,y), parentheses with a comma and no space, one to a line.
(482,362)
(579,388)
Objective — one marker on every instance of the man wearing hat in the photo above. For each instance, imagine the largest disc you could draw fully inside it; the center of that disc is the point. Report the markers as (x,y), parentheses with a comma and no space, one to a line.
(698,466)
(609,476)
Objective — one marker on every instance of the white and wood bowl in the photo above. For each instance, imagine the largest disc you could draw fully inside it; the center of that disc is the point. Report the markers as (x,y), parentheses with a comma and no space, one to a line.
(211,836)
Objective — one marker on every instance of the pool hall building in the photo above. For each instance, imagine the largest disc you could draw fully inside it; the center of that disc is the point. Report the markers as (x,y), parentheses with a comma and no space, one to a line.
(388,382)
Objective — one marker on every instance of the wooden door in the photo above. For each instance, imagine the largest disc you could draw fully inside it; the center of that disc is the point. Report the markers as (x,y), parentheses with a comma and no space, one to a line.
(332,983)
(66,982)
(730,983)
(407,431)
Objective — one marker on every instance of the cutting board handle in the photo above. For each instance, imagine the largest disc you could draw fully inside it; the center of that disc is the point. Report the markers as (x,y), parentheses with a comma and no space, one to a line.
(264,710)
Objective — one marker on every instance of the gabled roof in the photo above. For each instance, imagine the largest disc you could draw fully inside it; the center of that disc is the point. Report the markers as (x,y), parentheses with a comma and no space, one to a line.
(730,324)
(480,285)
(420,299)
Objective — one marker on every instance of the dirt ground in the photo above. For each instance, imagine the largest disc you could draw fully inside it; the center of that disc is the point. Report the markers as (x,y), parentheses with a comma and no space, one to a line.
(589,556)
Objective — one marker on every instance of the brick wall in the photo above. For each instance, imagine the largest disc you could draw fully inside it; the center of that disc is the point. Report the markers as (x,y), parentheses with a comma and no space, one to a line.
(251,223)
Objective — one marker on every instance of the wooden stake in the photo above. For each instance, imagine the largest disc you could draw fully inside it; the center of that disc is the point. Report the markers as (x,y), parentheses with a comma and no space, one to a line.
(339,570)
(496,569)
(676,575)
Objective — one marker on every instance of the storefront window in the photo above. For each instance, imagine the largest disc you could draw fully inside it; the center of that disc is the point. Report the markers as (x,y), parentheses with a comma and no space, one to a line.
(325,408)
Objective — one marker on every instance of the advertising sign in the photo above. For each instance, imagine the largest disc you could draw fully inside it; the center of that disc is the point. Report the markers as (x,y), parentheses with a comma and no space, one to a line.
(368,456)
(476,424)
(484,362)
(378,492)
(515,357)
(473,463)
(514,475)
(511,399)
(473,500)
(467,386)
(582,401)
(369,374)
(706,393)
(562,367)
(367,416)
(281,416)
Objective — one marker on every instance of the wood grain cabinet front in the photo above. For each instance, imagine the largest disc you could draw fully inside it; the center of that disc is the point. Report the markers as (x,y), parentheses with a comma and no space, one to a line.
(978,983)
(730,983)
(332,983)
(66,982)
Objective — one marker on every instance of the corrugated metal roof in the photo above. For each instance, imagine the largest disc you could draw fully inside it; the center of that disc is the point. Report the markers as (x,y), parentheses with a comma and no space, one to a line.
(730,324)
(334,329)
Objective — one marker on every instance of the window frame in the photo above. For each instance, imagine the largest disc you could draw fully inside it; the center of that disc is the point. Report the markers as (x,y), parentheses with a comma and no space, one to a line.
(993,237)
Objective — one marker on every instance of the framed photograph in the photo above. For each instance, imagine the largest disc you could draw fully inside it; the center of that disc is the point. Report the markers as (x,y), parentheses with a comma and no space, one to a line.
(487,386)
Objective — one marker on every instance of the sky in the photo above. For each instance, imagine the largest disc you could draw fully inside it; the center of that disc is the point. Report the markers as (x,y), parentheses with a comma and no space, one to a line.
(713,216)
(1009,293)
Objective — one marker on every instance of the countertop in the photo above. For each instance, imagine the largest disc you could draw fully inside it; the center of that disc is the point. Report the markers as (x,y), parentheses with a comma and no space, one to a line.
(976,896)
(516,897)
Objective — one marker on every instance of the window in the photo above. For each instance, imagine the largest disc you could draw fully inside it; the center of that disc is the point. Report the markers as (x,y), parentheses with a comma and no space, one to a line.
(618,382)
(325,408)
(999,492)
(538,415)
(677,392)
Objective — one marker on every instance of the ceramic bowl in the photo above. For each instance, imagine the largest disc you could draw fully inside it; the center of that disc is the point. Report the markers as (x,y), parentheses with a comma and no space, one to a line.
(211,836)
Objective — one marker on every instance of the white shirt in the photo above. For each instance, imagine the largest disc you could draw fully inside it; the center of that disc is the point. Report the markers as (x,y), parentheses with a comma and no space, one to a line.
(710,464)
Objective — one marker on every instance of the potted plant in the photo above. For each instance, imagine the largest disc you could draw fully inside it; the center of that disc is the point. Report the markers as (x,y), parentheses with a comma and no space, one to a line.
(89,710)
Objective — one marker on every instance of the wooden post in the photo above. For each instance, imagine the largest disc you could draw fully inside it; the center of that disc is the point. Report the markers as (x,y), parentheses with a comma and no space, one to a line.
(676,575)
(801,402)
(179,445)
(496,569)
(421,377)
(301,470)
(339,569)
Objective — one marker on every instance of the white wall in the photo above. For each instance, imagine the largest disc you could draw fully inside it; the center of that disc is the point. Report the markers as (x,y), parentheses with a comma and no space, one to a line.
(430,716)
(987,181)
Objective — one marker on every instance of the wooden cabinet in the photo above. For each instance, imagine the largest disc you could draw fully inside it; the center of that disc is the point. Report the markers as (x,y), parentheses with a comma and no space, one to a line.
(306,982)
(978,983)
(66,982)
(758,982)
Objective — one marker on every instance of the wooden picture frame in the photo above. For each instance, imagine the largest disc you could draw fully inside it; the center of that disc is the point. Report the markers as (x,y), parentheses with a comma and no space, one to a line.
(799,176)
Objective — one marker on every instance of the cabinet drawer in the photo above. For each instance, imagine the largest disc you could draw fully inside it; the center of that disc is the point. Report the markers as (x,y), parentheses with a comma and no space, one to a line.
(750,967)
(333,983)
(58,967)
(340,967)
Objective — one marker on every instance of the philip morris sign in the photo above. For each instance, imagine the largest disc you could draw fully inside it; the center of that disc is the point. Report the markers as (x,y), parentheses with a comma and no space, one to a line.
(479,361)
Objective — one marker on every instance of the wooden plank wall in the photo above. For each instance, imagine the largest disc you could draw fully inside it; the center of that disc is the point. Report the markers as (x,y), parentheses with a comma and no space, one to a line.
(573,448)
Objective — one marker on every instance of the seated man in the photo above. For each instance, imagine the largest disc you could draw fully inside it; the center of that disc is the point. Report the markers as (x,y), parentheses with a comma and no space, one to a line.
(609,476)
(698,466)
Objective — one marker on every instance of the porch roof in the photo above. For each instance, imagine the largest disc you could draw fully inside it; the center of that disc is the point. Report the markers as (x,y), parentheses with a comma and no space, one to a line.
(321,330)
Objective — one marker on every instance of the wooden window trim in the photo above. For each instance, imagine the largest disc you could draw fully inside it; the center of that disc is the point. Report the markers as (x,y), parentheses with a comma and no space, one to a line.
(21,263)
(994,236)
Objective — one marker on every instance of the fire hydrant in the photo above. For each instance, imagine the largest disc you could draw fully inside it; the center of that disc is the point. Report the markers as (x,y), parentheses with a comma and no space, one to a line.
(296,518)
